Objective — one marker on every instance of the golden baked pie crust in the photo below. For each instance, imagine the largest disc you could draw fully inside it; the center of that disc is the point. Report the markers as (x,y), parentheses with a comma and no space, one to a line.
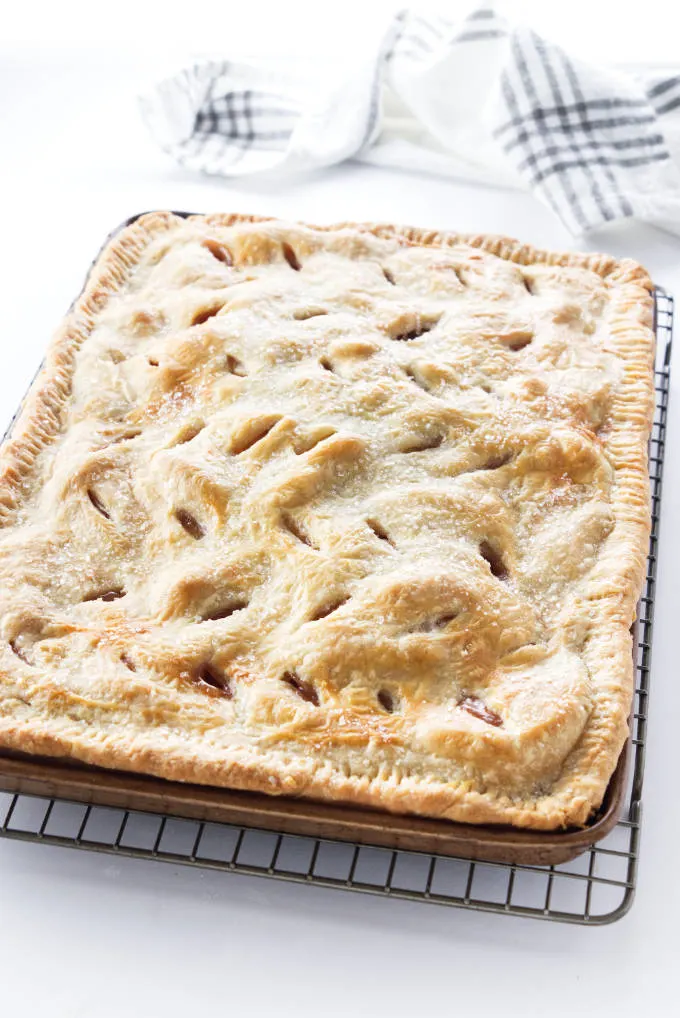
(358,513)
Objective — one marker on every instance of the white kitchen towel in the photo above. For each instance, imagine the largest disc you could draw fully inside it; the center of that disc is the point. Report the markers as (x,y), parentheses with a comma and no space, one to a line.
(478,99)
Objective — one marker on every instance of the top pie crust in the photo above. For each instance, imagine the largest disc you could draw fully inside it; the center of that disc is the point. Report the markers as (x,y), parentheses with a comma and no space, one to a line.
(356,513)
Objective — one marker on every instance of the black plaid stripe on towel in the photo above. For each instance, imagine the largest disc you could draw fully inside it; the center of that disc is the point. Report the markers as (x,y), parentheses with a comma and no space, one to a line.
(478,99)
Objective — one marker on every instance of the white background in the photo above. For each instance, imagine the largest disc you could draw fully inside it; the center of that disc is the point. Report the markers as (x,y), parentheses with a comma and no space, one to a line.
(91,936)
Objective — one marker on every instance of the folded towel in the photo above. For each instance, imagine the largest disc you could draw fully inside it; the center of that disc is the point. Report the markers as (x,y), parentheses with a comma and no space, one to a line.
(478,99)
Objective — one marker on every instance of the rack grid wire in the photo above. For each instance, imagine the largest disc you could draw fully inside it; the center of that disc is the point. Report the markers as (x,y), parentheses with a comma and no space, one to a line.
(595,888)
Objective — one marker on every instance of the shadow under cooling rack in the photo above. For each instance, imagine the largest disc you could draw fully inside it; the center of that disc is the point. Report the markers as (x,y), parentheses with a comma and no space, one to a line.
(597,887)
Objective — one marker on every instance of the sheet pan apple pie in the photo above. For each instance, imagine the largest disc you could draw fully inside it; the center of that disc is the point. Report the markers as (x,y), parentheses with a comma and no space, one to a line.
(357,513)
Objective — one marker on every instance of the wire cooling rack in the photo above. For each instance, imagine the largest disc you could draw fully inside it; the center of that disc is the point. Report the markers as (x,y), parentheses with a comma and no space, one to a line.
(595,888)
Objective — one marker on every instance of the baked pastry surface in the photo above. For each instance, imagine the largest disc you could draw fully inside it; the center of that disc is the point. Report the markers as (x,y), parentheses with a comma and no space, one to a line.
(357,513)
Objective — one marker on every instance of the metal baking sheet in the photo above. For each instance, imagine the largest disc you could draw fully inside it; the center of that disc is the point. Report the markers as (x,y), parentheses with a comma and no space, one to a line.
(309,818)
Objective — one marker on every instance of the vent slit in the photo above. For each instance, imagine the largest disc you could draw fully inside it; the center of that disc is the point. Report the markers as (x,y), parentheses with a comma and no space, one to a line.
(98,504)
(225,612)
(494,560)
(473,705)
(114,594)
(208,675)
(219,251)
(189,523)
(496,462)
(305,690)
(424,443)
(324,610)
(293,527)
(380,532)
(410,373)
(205,313)
(421,326)
(308,442)
(189,433)
(19,652)
(126,436)
(387,701)
(439,622)
(253,433)
(234,366)
(520,340)
(290,256)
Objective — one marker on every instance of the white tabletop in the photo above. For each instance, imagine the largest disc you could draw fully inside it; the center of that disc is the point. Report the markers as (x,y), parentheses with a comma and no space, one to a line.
(95,936)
